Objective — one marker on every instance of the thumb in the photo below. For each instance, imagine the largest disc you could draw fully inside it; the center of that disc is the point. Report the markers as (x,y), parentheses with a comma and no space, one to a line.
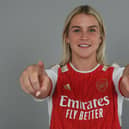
(45,87)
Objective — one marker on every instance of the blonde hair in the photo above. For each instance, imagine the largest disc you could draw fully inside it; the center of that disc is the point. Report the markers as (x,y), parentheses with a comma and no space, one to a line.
(88,10)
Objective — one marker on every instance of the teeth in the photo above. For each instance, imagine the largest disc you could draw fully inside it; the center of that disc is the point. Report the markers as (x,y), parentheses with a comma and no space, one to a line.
(84,45)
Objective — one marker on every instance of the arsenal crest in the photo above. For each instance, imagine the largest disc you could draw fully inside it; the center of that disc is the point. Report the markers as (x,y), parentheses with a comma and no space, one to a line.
(102,84)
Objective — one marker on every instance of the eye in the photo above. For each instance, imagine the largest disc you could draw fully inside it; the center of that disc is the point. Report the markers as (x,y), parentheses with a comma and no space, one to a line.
(76,30)
(92,30)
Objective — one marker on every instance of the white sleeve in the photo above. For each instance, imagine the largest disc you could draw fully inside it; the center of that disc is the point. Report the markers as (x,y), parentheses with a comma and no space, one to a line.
(117,74)
(53,75)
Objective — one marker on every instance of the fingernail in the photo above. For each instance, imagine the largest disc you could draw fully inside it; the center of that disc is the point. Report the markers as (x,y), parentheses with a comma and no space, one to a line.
(38,93)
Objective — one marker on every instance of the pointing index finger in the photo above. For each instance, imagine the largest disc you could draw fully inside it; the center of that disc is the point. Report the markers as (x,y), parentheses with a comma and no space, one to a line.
(41,65)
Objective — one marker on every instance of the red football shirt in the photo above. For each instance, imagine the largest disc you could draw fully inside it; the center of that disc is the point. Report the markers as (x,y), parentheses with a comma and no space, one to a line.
(85,99)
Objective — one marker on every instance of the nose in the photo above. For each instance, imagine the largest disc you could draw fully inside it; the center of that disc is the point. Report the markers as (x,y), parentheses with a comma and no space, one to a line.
(84,35)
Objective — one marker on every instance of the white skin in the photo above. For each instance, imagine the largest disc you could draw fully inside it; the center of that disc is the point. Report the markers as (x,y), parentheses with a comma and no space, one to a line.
(34,81)
(84,39)
(84,30)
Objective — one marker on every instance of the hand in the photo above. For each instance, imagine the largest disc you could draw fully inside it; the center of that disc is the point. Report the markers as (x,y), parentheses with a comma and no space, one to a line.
(35,81)
(124,84)
(126,71)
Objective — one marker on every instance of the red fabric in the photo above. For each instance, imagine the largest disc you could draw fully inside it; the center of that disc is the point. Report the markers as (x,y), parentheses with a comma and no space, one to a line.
(89,102)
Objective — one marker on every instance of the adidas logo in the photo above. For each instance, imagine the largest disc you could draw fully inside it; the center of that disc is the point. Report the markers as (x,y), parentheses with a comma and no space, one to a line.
(67,87)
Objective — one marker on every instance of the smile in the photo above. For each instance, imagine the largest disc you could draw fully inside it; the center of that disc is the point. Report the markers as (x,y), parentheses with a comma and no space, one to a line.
(84,45)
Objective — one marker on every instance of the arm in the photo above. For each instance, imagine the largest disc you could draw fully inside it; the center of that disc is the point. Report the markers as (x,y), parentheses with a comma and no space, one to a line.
(124,83)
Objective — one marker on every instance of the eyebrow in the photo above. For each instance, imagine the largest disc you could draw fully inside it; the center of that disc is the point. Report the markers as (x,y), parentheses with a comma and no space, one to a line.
(92,26)
(75,27)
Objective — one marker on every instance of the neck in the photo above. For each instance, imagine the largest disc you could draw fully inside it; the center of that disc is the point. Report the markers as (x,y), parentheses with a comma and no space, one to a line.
(84,64)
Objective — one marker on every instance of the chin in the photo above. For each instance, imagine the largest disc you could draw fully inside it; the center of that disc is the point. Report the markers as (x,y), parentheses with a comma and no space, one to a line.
(84,56)
(87,56)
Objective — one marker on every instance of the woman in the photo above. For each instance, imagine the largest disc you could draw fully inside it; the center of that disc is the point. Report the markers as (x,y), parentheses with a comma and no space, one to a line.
(83,92)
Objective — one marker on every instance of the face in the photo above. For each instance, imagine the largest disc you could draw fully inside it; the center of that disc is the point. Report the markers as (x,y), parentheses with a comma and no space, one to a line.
(84,36)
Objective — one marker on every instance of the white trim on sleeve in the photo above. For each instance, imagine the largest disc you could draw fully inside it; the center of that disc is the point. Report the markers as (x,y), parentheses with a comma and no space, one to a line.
(53,75)
(117,74)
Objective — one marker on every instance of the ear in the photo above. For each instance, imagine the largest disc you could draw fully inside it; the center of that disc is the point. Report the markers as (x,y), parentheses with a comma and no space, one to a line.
(67,40)
(101,39)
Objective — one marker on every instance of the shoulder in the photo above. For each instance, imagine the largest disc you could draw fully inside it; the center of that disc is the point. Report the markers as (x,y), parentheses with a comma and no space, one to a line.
(54,67)
(118,70)
(117,73)
(115,67)
(114,70)
(52,70)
